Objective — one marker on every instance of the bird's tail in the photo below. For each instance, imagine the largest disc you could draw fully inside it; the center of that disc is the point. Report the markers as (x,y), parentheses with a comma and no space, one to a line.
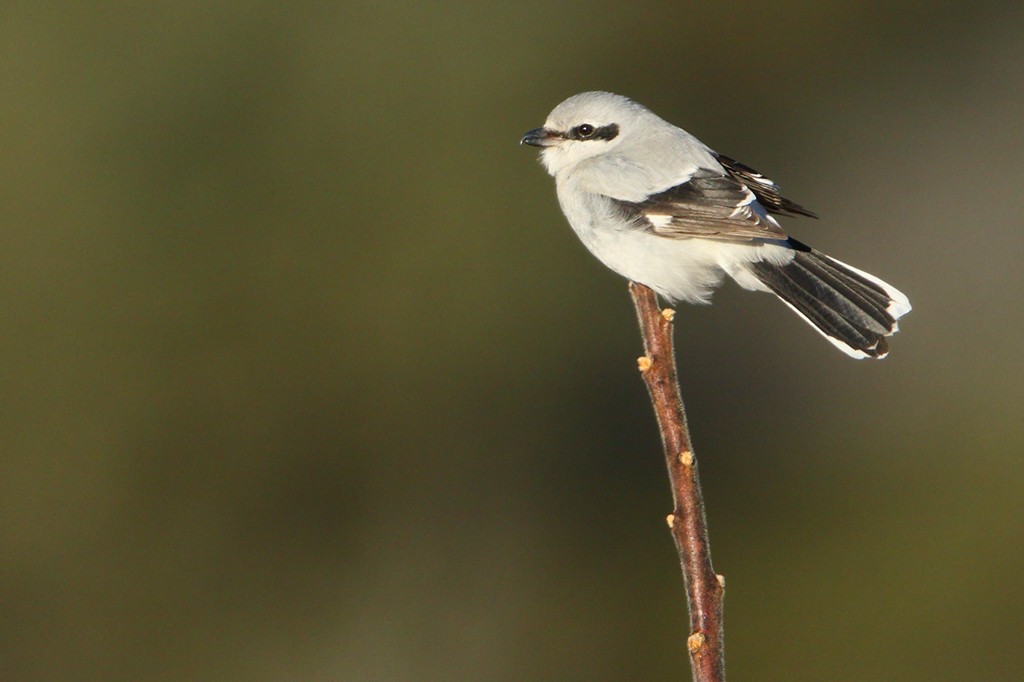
(852,309)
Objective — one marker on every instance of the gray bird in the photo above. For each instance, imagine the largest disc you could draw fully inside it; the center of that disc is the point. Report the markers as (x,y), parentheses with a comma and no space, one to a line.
(659,207)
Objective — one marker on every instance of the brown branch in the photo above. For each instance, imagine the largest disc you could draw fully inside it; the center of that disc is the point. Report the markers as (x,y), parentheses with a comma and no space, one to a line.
(704,589)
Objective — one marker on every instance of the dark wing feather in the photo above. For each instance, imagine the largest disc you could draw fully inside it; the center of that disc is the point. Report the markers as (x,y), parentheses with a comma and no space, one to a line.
(767,192)
(708,205)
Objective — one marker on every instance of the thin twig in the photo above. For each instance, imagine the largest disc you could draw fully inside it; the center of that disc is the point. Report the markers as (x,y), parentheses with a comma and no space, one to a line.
(704,589)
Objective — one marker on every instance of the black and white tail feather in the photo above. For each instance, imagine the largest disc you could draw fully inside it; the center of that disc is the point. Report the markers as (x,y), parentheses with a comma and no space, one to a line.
(852,309)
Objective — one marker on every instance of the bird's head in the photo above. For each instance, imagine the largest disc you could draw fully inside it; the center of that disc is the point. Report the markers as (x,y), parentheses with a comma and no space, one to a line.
(584,126)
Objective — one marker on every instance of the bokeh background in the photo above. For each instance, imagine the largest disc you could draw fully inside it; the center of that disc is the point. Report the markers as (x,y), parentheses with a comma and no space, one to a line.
(304,376)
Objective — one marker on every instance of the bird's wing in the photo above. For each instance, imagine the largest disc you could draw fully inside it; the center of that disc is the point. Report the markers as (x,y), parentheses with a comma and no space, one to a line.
(767,192)
(709,205)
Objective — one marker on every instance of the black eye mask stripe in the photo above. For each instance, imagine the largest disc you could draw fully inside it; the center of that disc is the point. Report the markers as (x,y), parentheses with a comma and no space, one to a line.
(608,132)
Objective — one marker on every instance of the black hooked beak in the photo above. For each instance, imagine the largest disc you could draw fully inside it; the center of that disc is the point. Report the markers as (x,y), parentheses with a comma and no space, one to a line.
(540,137)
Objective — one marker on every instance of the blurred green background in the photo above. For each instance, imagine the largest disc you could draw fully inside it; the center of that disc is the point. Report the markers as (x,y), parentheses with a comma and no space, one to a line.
(305,377)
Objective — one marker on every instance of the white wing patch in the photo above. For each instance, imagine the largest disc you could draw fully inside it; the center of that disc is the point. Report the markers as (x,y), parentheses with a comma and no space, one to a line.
(659,221)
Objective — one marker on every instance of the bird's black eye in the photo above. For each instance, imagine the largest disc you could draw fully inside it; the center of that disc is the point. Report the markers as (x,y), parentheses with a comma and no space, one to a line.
(584,130)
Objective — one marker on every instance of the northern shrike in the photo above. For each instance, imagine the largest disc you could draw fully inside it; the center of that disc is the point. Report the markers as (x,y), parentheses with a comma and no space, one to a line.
(659,207)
